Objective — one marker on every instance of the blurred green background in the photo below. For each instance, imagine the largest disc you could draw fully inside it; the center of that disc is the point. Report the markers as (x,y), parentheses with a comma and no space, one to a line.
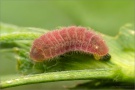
(105,16)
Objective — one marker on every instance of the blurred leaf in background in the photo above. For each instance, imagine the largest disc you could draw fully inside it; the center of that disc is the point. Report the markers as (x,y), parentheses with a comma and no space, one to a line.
(105,16)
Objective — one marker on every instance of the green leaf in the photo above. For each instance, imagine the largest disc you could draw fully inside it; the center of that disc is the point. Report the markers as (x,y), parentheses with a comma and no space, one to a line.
(120,68)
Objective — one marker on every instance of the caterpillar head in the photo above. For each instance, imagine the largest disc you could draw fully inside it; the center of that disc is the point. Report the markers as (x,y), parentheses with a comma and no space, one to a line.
(36,54)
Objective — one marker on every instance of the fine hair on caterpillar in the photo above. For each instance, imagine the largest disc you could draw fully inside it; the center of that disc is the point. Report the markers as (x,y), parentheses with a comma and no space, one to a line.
(69,39)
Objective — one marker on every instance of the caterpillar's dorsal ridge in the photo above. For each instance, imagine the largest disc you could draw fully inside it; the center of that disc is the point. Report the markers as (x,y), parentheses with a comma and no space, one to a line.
(73,38)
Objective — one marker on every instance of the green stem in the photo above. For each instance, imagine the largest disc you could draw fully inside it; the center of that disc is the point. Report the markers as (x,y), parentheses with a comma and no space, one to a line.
(59,76)
(13,28)
(19,36)
(6,50)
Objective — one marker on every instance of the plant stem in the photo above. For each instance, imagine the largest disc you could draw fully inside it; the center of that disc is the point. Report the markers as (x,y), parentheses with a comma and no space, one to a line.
(19,36)
(59,76)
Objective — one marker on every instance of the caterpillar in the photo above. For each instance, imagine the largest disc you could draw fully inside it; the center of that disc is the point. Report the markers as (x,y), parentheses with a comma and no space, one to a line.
(67,39)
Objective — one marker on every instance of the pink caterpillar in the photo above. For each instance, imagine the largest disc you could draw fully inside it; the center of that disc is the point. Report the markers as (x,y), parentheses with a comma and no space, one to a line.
(58,42)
